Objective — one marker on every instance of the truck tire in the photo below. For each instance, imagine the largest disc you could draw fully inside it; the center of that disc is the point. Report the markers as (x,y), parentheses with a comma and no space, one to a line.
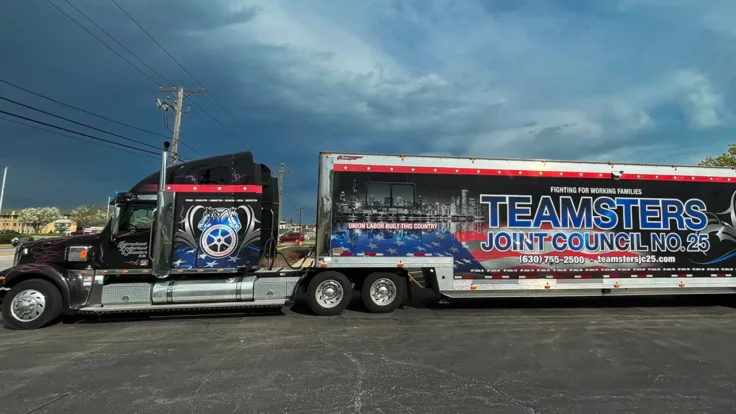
(382,292)
(32,304)
(329,293)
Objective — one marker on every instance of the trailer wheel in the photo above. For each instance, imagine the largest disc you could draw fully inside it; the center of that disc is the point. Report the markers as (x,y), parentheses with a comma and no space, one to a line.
(32,304)
(329,293)
(382,292)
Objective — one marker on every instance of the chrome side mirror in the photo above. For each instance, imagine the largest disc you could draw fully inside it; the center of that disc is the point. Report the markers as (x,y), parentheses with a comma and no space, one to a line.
(115,224)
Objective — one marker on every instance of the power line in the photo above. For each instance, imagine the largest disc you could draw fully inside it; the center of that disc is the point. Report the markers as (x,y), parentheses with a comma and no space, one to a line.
(101,41)
(56,101)
(116,41)
(77,132)
(120,56)
(78,123)
(76,138)
(181,66)
(82,110)
(217,122)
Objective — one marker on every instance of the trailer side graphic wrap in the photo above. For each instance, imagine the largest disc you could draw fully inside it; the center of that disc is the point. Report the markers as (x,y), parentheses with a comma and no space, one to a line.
(530,225)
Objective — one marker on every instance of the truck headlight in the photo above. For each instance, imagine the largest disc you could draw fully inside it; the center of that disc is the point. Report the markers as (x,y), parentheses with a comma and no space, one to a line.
(77,253)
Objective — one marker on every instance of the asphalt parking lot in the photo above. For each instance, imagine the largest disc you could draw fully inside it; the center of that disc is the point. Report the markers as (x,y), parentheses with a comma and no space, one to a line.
(570,356)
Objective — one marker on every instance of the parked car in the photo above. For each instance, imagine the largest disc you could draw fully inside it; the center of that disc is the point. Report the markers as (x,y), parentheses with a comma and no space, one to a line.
(291,237)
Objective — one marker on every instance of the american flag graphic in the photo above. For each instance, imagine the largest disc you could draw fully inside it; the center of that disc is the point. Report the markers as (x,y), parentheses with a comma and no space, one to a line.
(464,245)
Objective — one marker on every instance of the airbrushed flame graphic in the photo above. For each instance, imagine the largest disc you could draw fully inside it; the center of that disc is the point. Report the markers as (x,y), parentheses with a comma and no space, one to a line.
(723,229)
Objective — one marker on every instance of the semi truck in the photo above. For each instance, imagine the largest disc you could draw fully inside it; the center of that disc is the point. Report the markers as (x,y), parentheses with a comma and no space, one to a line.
(203,234)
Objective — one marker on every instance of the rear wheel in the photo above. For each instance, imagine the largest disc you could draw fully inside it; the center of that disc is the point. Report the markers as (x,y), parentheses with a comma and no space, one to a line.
(382,292)
(32,304)
(329,293)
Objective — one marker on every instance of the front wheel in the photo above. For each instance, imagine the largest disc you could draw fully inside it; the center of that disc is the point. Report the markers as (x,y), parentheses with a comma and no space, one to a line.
(382,292)
(32,304)
(329,293)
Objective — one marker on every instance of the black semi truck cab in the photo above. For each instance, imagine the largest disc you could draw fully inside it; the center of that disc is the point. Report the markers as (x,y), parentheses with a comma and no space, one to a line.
(197,235)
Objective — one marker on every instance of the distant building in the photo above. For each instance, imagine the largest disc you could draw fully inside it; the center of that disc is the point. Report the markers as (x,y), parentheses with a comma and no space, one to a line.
(9,222)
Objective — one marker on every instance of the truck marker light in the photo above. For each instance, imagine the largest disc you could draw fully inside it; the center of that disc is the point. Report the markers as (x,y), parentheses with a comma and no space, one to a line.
(682,285)
(399,264)
(104,272)
(2,277)
(179,271)
(323,264)
(199,270)
(547,286)
(616,285)
(125,271)
(145,270)
(219,270)
(473,287)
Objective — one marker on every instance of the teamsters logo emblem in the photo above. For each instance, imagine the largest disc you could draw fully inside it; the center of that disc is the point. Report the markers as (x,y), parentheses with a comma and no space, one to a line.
(220,227)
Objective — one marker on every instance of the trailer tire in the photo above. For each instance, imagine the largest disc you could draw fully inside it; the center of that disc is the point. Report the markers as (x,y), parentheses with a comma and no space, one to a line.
(32,304)
(383,292)
(329,293)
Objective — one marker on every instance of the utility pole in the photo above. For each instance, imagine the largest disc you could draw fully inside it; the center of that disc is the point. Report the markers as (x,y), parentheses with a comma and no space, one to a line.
(2,188)
(281,195)
(301,230)
(178,105)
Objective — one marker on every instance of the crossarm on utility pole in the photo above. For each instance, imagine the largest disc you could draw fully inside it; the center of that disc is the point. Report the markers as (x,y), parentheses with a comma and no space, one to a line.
(180,91)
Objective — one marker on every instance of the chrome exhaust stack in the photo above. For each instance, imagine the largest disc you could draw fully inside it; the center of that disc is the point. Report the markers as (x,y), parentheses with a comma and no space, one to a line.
(162,231)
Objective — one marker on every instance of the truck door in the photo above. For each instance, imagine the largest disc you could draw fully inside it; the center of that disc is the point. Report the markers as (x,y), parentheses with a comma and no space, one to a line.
(130,249)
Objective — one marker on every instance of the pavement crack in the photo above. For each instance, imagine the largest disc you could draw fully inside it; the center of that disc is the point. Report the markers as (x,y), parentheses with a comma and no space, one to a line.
(492,386)
(46,404)
(359,391)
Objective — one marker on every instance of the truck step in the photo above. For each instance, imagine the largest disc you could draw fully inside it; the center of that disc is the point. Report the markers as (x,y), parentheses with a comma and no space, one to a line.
(183,306)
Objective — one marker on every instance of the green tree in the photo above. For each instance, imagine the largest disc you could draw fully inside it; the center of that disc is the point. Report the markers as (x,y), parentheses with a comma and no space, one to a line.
(38,218)
(727,159)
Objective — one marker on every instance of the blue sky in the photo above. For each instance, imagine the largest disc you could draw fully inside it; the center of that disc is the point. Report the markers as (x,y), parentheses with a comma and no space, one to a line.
(619,80)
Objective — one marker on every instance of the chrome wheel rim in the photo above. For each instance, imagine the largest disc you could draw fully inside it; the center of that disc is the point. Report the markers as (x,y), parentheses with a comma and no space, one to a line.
(329,293)
(28,305)
(383,291)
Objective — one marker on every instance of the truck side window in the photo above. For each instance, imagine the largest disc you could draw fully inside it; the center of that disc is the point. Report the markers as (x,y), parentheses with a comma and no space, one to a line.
(137,218)
(215,175)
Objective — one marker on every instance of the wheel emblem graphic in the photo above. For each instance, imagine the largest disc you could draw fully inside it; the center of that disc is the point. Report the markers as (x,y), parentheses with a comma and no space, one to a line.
(219,240)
